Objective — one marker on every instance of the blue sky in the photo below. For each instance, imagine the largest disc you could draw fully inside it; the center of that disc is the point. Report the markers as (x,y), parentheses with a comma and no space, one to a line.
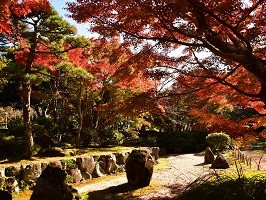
(59,5)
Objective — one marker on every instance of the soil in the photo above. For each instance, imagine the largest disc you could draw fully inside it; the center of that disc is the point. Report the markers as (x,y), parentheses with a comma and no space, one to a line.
(177,173)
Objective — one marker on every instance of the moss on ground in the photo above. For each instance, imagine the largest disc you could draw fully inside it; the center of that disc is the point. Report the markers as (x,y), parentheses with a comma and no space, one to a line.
(79,152)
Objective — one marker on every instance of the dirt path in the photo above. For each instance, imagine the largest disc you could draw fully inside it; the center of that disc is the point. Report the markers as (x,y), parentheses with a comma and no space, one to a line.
(179,171)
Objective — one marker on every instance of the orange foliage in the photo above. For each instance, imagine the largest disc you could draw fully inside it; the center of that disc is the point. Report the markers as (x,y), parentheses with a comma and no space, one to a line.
(216,123)
(232,31)
(19,8)
(219,90)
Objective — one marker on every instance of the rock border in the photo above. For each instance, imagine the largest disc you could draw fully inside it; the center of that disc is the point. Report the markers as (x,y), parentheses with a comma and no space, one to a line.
(79,169)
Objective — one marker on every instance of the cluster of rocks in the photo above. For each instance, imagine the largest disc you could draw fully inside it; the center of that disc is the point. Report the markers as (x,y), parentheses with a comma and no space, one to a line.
(78,169)
(14,178)
(219,162)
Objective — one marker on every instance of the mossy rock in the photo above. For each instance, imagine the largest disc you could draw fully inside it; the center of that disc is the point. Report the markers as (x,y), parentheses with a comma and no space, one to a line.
(54,152)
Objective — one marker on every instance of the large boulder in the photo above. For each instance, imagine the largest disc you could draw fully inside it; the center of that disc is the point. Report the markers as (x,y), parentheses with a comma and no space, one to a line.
(31,173)
(75,174)
(145,150)
(51,185)
(13,171)
(11,184)
(86,166)
(209,156)
(56,163)
(220,163)
(97,171)
(121,158)
(139,168)
(5,195)
(111,166)
(107,164)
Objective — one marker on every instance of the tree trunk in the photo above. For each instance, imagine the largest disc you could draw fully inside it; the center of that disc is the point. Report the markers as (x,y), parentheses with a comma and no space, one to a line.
(26,90)
(80,116)
(26,96)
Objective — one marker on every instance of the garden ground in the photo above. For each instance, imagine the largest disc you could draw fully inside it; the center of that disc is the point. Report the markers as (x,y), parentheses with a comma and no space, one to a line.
(169,179)
(171,175)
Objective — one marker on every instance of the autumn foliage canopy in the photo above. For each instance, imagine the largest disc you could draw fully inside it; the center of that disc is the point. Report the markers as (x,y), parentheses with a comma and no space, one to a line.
(232,33)
(150,56)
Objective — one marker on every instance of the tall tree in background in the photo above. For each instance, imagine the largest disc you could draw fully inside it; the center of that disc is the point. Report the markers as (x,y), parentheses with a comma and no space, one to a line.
(231,32)
(120,89)
(36,36)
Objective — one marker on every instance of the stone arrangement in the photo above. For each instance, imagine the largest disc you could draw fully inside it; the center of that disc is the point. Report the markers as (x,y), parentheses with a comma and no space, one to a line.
(78,169)
(219,162)
(209,156)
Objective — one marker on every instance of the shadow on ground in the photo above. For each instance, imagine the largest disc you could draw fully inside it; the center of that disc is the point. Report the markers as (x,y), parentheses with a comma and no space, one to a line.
(11,160)
(201,164)
(126,192)
(119,192)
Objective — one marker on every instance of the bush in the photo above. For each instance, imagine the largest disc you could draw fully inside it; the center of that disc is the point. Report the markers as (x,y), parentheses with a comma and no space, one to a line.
(258,145)
(111,137)
(16,127)
(11,146)
(69,163)
(45,126)
(226,187)
(90,137)
(53,152)
(218,141)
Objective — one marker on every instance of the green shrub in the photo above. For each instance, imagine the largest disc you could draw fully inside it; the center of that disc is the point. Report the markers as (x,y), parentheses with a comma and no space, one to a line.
(16,127)
(90,137)
(11,146)
(258,145)
(53,152)
(111,137)
(45,126)
(70,163)
(8,140)
(218,141)
(69,179)
(226,187)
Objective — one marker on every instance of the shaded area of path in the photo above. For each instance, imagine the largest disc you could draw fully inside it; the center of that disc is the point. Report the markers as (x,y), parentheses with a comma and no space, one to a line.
(179,171)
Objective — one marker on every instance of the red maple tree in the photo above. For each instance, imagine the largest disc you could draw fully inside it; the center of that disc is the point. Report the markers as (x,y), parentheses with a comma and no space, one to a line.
(232,33)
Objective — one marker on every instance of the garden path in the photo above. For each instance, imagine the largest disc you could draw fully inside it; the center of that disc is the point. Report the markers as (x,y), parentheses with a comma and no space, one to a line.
(172,177)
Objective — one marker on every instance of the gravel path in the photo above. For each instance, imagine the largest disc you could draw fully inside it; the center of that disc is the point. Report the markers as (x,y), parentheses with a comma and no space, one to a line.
(180,170)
